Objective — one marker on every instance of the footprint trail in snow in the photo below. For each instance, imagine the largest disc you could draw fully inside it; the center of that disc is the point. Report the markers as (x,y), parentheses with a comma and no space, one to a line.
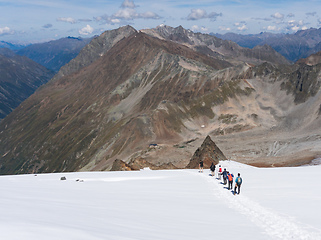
(274,225)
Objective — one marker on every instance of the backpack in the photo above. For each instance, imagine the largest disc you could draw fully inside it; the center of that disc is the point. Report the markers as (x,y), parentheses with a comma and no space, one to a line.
(239,181)
(230,177)
(212,167)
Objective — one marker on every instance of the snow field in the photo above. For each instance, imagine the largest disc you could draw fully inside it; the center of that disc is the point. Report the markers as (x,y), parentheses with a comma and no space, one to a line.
(172,204)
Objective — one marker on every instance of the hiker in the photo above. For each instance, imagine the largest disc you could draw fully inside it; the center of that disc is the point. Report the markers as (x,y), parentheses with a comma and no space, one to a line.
(224,174)
(238,183)
(201,166)
(212,167)
(230,177)
(219,173)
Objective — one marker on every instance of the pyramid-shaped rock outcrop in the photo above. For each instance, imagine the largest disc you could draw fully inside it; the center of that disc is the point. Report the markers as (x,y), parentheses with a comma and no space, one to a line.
(120,165)
(208,152)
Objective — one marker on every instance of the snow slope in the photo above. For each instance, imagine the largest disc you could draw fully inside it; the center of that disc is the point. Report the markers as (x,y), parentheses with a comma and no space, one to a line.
(275,203)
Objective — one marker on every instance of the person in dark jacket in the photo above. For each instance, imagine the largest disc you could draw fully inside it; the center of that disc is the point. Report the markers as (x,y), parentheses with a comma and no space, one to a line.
(201,165)
(224,174)
(238,183)
(212,167)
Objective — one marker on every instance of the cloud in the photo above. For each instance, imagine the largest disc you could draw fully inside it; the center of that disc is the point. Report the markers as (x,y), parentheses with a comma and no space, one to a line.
(131,14)
(290,15)
(294,25)
(6,31)
(127,12)
(197,14)
(47,25)
(85,20)
(224,28)
(128,4)
(278,16)
(86,30)
(241,26)
(311,14)
(262,19)
(196,28)
(272,28)
(319,21)
(149,15)
(66,19)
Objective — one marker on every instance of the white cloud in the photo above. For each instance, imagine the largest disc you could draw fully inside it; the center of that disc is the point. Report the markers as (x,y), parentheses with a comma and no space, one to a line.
(86,30)
(204,29)
(224,28)
(241,26)
(128,4)
(295,28)
(278,16)
(114,20)
(197,14)
(291,22)
(319,21)
(126,13)
(293,25)
(5,31)
(149,15)
(66,19)
(271,28)
(196,28)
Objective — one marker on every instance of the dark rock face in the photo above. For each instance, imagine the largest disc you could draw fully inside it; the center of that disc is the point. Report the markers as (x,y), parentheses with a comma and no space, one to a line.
(208,153)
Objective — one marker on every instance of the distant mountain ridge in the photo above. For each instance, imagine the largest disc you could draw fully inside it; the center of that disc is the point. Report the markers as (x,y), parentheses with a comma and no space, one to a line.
(292,46)
(11,46)
(19,78)
(213,46)
(56,53)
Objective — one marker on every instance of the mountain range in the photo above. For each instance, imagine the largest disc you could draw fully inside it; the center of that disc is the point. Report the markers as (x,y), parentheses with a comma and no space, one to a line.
(292,46)
(169,86)
(56,53)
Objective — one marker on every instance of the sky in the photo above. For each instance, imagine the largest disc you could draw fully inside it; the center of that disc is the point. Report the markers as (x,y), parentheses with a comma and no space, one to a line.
(28,21)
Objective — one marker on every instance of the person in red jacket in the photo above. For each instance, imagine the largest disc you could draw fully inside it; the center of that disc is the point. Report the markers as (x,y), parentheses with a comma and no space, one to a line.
(219,173)
(230,177)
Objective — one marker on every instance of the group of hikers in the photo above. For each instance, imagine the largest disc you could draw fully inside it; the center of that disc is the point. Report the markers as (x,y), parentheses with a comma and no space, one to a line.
(227,177)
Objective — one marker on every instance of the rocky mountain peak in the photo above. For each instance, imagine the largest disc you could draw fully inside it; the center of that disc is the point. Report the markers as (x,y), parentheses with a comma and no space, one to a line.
(209,153)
